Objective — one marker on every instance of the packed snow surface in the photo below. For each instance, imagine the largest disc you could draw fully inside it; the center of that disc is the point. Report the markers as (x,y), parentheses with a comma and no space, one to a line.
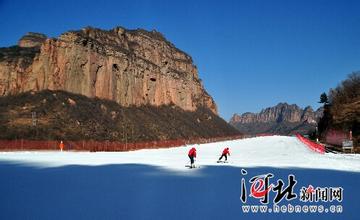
(273,151)
(156,184)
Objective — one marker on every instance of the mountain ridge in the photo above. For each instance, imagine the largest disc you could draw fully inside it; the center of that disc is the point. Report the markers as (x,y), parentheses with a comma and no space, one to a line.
(280,119)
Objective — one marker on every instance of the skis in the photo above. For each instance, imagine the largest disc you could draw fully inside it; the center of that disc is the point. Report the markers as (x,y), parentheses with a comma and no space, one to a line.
(192,167)
(197,166)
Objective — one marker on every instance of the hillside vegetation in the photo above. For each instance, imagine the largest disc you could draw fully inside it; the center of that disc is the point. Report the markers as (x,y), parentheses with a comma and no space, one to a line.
(342,112)
(54,115)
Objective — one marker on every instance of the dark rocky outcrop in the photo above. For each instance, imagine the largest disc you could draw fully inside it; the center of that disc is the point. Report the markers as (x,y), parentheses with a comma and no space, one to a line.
(32,39)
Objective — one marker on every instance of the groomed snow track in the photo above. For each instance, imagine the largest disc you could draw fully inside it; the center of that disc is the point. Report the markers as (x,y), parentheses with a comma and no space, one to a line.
(273,151)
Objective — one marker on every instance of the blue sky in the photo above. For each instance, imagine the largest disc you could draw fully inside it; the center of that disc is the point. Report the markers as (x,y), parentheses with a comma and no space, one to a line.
(250,54)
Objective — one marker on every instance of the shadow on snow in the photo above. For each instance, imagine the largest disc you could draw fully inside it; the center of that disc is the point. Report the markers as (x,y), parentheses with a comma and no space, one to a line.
(132,191)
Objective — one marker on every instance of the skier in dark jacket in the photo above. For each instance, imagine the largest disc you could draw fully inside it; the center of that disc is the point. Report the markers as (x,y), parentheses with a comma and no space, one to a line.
(225,153)
(192,155)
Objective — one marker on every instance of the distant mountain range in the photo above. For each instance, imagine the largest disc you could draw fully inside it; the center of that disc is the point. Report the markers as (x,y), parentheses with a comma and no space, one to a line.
(281,119)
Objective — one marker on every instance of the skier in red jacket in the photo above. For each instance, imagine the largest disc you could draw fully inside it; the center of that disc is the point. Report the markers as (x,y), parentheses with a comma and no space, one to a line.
(225,153)
(192,155)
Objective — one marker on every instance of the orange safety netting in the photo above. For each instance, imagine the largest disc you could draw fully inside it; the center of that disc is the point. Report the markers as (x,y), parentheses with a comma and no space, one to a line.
(88,145)
(312,145)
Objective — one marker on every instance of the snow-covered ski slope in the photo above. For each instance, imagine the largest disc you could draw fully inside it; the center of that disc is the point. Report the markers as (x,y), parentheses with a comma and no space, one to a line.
(155,184)
(273,151)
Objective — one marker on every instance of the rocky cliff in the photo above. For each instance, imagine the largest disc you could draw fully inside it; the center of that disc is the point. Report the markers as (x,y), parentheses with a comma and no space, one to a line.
(117,85)
(131,67)
(280,119)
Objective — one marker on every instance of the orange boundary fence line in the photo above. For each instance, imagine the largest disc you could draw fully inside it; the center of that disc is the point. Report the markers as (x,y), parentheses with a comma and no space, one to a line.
(89,145)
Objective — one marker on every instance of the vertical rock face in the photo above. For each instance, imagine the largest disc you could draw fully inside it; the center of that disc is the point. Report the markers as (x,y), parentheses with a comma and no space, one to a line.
(280,119)
(131,67)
